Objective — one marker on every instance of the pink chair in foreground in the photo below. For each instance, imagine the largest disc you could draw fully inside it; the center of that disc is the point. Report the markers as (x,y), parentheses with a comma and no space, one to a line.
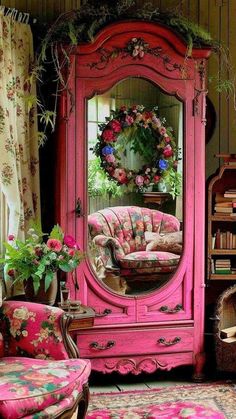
(41,375)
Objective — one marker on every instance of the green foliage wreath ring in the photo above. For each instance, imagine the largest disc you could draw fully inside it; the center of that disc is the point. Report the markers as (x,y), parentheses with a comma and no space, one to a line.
(148,136)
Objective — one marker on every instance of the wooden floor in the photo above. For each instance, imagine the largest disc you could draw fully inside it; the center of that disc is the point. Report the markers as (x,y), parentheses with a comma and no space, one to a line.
(100,383)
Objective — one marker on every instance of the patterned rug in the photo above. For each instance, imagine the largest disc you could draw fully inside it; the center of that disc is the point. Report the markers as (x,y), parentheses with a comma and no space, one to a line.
(211,401)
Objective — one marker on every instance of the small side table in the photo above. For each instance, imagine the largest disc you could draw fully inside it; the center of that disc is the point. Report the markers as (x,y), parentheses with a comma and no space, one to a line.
(156,197)
(71,322)
(82,319)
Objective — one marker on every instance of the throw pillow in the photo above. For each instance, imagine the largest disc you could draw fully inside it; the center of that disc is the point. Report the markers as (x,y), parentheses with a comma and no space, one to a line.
(169,242)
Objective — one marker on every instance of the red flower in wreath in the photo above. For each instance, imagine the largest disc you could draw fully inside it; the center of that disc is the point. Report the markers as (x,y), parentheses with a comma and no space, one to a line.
(115,125)
(108,135)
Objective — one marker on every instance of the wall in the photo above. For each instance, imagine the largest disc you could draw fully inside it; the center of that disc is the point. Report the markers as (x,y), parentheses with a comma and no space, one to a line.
(217,16)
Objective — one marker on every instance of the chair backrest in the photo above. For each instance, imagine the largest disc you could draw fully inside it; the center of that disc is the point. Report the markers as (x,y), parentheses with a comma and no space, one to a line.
(128,225)
(31,328)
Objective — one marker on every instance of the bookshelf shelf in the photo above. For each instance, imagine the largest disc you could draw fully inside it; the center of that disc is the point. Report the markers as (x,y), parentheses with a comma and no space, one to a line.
(224,252)
(221,246)
(224,277)
(223,218)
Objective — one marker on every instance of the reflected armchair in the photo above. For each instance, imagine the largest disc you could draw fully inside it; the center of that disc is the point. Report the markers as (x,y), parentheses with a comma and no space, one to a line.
(120,235)
(38,377)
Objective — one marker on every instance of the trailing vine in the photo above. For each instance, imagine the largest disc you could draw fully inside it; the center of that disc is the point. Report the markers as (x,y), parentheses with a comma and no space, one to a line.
(79,26)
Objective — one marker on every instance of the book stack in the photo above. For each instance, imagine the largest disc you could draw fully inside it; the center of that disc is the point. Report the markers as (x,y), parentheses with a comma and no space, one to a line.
(230,193)
(225,204)
(222,266)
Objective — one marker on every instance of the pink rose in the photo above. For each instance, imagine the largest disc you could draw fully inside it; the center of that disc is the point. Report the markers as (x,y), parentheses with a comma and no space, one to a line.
(162,130)
(167,139)
(69,241)
(110,158)
(71,252)
(11,237)
(108,135)
(115,125)
(54,245)
(139,180)
(168,152)
(158,122)
(129,119)
(120,175)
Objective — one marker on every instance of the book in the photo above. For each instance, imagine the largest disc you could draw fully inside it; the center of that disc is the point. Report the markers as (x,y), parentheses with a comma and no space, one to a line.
(224,204)
(217,242)
(213,241)
(222,262)
(222,271)
(219,197)
(229,340)
(228,332)
(230,195)
(225,210)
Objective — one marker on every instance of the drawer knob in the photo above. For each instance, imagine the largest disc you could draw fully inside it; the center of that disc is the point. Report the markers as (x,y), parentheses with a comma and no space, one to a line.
(95,345)
(165,342)
(104,313)
(176,309)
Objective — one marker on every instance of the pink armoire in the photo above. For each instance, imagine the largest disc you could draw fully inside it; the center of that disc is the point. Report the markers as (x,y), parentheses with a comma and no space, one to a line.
(163,327)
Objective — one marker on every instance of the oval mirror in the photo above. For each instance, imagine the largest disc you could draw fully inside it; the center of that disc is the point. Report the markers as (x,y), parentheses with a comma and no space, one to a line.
(135,183)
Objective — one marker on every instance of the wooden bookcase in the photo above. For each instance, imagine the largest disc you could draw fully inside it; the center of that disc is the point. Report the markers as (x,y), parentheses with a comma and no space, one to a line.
(221,227)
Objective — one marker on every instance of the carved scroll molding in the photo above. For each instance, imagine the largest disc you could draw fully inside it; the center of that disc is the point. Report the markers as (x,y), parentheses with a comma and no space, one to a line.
(129,365)
(136,48)
(200,91)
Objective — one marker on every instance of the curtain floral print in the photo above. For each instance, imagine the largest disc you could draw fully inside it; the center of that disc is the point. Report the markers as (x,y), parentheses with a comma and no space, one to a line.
(19,158)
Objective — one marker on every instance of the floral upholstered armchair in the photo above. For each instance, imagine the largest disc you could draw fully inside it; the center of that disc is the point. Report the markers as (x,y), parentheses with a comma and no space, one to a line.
(122,235)
(40,376)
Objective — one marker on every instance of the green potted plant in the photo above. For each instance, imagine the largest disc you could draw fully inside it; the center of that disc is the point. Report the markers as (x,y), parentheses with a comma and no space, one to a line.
(36,261)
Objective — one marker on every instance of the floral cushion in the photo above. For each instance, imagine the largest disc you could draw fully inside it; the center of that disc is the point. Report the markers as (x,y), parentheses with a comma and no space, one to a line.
(147,261)
(28,386)
(33,330)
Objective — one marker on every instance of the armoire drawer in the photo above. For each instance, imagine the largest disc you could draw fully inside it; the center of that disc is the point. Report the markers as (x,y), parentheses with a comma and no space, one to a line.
(131,342)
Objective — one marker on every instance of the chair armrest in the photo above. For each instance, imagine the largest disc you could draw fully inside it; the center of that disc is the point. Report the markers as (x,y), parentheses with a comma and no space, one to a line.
(36,330)
(113,245)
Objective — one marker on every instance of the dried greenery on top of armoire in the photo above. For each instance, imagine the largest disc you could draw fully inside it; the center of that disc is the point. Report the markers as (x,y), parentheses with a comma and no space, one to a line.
(79,26)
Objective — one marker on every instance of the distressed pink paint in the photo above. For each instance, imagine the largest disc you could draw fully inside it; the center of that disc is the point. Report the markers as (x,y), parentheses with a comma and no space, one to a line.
(136,324)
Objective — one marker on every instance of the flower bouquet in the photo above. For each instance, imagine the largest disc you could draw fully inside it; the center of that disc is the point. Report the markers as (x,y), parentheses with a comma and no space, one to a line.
(40,256)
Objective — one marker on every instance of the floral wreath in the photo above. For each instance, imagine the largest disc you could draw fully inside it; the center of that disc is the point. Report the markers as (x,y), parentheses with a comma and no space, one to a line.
(148,136)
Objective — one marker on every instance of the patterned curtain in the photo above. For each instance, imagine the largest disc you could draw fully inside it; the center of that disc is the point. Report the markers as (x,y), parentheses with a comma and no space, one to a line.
(19,158)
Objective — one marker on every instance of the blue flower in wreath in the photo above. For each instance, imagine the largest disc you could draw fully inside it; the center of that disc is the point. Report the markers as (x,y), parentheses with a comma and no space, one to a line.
(107,150)
(163,164)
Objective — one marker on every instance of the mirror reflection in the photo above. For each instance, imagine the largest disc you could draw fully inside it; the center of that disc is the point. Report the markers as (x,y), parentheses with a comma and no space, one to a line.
(135,138)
